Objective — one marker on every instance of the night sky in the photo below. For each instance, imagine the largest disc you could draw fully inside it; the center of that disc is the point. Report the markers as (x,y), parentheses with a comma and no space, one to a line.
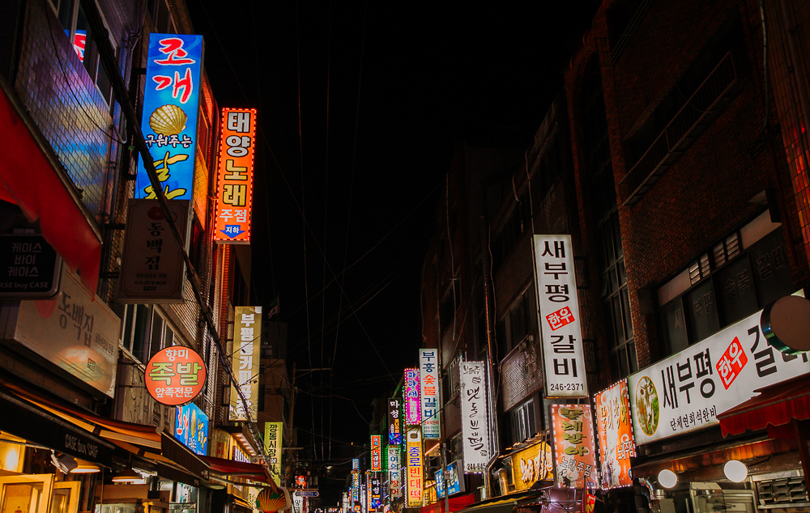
(385,89)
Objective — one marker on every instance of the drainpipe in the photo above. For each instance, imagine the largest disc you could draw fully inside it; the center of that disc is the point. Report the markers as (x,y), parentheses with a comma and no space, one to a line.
(493,410)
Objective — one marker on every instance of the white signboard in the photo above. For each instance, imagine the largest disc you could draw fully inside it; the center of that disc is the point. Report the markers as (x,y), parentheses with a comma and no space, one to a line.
(687,391)
(429,382)
(474,428)
(394,471)
(559,317)
(76,331)
(152,267)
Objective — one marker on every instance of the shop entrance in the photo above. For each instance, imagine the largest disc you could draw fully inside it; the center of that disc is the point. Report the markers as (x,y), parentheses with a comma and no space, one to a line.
(38,493)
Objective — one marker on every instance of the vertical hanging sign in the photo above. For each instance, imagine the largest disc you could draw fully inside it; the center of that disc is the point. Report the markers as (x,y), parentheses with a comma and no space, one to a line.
(394,471)
(169,121)
(559,317)
(415,483)
(429,379)
(376,454)
(394,426)
(615,429)
(247,337)
(235,178)
(574,447)
(152,267)
(474,428)
(412,406)
(272,442)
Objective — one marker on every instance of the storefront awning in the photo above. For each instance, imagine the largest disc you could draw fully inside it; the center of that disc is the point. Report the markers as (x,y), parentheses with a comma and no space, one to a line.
(501,504)
(457,503)
(33,424)
(232,469)
(776,405)
(32,177)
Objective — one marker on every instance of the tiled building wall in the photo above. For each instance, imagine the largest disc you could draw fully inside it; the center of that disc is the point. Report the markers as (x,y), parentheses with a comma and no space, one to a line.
(65,104)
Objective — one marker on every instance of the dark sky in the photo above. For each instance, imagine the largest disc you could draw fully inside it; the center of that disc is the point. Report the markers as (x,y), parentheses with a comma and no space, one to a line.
(385,89)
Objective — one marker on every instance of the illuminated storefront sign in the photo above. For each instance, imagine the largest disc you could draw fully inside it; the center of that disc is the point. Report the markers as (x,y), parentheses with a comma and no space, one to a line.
(394,471)
(376,454)
(686,391)
(574,447)
(474,427)
(375,493)
(272,442)
(455,483)
(247,336)
(412,406)
(394,427)
(191,428)
(559,317)
(615,429)
(170,106)
(414,463)
(532,465)
(235,185)
(429,379)
(175,375)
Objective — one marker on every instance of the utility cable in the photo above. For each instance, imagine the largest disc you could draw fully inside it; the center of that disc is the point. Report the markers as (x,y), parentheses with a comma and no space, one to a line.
(303,197)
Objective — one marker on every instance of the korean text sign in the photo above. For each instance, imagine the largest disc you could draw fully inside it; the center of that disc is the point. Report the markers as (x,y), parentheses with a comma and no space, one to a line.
(375,492)
(615,429)
(414,460)
(532,465)
(559,317)
(169,121)
(686,391)
(153,267)
(272,442)
(412,406)
(394,425)
(394,471)
(245,360)
(574,446)
(429,379)
(376,454)
(175,375)
(235,185)
(78,333)
(191,428)
(455,484)
(474,427)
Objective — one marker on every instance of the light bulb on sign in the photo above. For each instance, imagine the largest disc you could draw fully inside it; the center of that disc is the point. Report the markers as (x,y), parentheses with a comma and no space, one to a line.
(667,478)
(735,471)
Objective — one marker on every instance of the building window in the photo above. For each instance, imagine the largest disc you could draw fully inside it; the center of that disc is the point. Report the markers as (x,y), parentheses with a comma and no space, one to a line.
(161,16)
(733,284)
(516,224)
(516,324)
(449,306)
(599,171)
(450,381)
(522,423)
(74,22)
(144,331)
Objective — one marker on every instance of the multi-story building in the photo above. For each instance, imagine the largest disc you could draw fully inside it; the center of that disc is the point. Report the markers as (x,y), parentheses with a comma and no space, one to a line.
(675,160)
(76,417)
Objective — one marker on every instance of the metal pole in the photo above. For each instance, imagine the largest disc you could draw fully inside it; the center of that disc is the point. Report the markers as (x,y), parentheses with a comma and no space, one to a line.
(445,478)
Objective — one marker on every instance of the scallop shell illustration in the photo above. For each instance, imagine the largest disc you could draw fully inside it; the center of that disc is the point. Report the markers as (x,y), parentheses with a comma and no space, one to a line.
(168,120)
(270,502)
